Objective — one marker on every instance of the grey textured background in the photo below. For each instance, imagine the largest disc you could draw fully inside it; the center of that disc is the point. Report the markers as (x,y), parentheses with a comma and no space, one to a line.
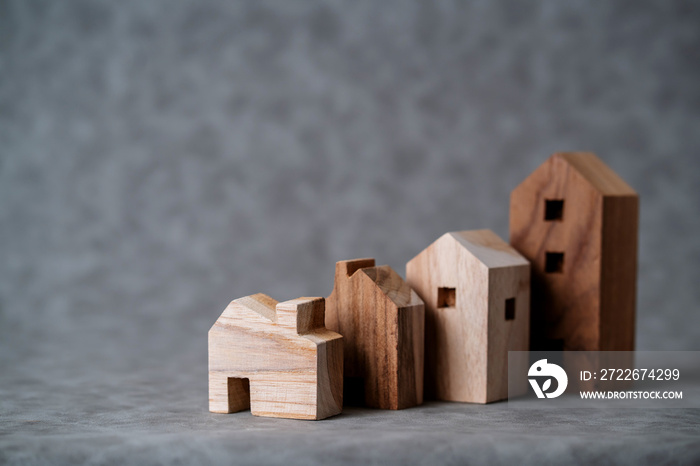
(158,159)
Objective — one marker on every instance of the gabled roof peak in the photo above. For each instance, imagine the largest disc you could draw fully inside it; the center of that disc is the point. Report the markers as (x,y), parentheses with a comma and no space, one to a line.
(600,176)
(392,285)
(261,304)
(488,248)
(389,282)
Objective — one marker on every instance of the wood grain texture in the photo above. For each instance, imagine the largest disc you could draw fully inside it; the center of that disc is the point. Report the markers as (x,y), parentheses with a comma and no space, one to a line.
(277,359)
(382,322)
(589,305)
(467,339)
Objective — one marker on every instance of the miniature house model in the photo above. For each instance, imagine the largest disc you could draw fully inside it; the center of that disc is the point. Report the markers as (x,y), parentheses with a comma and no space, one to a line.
(277,359)
(476,290)
(382,323)
(576,221)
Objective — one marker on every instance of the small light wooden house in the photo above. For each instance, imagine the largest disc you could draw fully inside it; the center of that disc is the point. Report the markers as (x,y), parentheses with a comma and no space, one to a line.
(277,359)
(382,323)
(576,220)
(476,290)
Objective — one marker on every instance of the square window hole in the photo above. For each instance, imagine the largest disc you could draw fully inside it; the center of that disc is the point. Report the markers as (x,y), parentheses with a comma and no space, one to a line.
(554,262)
(510,308)
(447,297)
(553,209)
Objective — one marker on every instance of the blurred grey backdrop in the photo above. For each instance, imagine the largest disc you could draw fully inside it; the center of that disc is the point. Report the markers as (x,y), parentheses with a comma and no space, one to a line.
(160,158)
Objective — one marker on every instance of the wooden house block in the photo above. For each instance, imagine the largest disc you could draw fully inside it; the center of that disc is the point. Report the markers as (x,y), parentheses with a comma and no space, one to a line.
(576,221)
(381,320)
(277,359)
(476,290)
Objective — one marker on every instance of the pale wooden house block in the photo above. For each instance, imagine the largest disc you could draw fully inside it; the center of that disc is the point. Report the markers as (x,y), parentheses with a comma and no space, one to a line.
(277,359)
(382,323)
(476,290)
(576,220)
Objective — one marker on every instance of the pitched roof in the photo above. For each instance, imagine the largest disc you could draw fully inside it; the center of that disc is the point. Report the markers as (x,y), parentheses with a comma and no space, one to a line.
(392,285)
(596,172)
(489,248)
(260,303)
(255,306)
(483,245)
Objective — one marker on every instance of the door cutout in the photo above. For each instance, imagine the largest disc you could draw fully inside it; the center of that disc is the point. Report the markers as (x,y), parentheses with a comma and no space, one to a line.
(238,394)
(553,345)
(354,391)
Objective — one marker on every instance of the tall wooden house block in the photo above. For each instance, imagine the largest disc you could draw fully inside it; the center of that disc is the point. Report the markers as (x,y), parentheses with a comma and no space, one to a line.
(576,220)
(277,359)
(476,290)
(382,323)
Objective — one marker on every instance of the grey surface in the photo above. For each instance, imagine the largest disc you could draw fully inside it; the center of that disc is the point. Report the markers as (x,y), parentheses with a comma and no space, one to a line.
(158,159)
